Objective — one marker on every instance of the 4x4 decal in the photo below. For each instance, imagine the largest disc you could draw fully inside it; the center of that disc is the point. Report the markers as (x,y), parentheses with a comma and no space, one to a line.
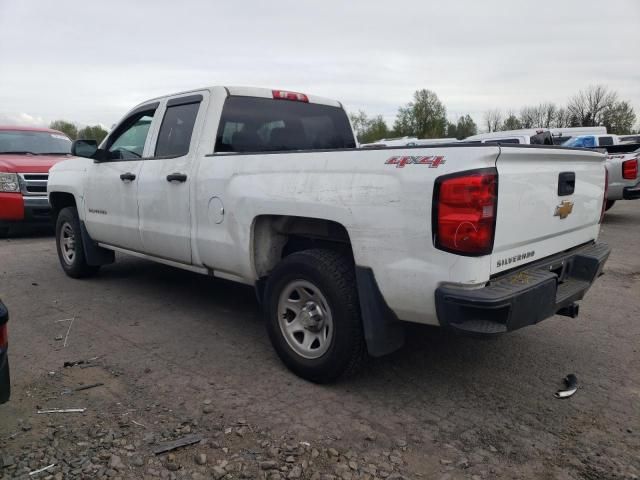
(400,162)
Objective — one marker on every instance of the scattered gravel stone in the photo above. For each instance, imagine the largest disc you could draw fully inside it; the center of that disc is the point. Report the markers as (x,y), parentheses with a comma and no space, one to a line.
(201,459)
(115,462)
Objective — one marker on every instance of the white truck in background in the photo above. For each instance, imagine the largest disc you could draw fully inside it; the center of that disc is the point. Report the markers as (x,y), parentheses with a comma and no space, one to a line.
(344,245)
(525,136)
(622,168)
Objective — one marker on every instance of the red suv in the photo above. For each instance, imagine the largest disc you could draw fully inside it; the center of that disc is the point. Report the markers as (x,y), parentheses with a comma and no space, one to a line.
(26,155)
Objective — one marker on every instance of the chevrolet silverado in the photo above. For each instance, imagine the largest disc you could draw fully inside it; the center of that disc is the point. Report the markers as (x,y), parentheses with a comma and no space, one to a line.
(343,245)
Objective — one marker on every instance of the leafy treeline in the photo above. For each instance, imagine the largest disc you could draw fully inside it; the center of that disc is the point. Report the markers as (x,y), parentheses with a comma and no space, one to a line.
(95,132)
(426,117)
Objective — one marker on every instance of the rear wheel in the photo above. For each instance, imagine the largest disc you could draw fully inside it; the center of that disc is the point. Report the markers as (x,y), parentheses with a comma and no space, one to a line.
(609,204)
(70,246)
(313,315)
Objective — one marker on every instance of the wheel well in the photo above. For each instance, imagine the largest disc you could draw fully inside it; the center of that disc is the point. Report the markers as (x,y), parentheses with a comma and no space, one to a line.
(60,200)
(276,236)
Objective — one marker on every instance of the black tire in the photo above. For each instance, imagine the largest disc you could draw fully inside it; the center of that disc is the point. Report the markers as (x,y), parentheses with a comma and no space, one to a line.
(5,383)
(332,273)
(75,266)
(4,232)
(610,203)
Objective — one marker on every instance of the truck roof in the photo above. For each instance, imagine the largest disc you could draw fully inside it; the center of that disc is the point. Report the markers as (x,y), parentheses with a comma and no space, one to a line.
(23,128)
(250,92)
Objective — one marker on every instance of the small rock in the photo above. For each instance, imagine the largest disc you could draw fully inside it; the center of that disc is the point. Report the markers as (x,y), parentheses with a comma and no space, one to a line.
(207,402)
(218,472)
(444,461)
(290,459)
(172,466)
(268,465)
(58,337)
(207,409)
(493,449)
(137,461)
(201,458)
(295,473)
(333,452)
(116,463)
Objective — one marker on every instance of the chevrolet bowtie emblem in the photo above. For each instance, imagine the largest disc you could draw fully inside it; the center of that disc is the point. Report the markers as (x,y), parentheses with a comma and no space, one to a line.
(564,209)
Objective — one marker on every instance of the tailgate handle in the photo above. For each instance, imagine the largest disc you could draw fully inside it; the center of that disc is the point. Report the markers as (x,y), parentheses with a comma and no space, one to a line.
(566,183)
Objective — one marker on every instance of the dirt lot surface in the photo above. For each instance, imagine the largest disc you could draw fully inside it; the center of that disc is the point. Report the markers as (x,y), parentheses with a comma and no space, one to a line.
(178,354)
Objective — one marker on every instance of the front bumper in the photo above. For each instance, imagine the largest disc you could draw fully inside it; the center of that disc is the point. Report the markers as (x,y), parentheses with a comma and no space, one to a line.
(524,296)
(631,193)
(18,209)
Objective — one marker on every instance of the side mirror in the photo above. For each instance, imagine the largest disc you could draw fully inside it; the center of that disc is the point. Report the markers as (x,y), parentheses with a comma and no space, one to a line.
(84,148)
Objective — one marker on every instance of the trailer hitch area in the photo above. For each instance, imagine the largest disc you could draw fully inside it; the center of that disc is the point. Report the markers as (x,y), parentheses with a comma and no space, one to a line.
(569,311)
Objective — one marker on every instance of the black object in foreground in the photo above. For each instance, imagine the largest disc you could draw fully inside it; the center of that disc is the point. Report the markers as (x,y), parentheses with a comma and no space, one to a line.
(571,382)
(182,442)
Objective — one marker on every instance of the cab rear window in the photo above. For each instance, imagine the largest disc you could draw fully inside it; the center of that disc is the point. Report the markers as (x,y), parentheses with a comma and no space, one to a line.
(252,124)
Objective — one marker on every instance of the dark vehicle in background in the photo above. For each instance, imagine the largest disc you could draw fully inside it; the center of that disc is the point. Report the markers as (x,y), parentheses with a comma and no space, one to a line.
(5,383)
(26,155)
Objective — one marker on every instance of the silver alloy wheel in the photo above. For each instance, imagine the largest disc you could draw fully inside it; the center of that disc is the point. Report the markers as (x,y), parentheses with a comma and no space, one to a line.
(305,319)
(67,243)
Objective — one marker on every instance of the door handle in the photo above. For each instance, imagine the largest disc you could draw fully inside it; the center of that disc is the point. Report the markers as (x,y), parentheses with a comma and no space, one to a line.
(127,177)
(176,177)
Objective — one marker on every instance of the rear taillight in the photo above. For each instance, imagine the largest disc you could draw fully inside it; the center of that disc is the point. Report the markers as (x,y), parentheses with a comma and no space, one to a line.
(464,212)
(4,337)
(284,95)
(606,193)
(630,169)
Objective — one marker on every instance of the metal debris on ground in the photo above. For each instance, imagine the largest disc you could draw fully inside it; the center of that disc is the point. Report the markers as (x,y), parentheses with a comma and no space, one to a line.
(40,470)
(173,445)
(87,387)
(571,384)
(63,410)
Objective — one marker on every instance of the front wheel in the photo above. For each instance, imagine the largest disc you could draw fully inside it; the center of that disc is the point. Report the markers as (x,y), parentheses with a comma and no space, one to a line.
(313,315)
(69,245)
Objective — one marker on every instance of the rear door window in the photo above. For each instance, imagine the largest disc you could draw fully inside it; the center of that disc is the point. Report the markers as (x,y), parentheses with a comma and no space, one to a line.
(174,137)
(252,124)
(605,141)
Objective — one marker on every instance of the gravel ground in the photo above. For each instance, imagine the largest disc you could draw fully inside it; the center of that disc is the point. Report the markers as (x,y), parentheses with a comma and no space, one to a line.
(178,354)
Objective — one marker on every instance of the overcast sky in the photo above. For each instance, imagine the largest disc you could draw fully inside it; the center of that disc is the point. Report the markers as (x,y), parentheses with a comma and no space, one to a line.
(90,61)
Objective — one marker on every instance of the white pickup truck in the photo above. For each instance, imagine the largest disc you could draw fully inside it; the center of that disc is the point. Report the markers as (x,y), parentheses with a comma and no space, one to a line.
(344,245)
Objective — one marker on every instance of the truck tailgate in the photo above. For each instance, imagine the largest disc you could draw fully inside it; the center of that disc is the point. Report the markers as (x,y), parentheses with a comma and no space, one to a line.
(538,213)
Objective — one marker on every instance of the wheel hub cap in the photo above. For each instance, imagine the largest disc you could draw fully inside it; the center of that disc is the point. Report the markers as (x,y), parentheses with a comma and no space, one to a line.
(305,319)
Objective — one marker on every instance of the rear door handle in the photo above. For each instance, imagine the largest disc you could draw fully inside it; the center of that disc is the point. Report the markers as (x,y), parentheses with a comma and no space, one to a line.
(127,177)
(176,177)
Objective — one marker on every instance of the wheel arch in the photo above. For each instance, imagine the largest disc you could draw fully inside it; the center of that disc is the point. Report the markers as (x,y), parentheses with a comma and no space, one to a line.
(273,237)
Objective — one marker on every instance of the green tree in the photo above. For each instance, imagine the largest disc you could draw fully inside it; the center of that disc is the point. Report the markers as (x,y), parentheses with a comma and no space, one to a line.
(619,118)
(424,117)
(511,122)
(367,129)
(465,127)
(68,128)
(359,122)
(452,130)
(95,132)
(376,129)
